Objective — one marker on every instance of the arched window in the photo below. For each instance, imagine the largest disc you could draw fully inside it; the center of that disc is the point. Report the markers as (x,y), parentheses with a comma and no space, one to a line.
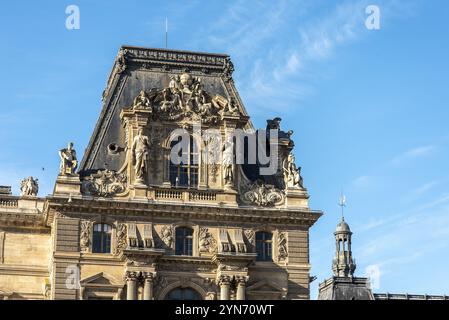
(264,246)
(102,238)
(184,241)
(185,173)
(183,294)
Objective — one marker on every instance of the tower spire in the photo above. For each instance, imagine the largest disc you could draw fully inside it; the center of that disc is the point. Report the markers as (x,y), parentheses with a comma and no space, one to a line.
(342,204)
(343,265)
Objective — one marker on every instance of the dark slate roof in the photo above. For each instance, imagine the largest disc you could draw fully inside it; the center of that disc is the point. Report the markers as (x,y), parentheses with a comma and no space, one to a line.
(345,288)
(148,68)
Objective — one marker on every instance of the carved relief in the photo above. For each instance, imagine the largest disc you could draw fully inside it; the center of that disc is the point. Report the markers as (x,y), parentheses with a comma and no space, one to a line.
(249,234)
(142,101)
(185,97)
(167,235)
(104,183)
(261,194)
(29,187)
(85,235)
(282,246)
(121,237)
(206,241)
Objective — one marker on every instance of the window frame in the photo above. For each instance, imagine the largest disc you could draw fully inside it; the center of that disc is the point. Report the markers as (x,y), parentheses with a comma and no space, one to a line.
(188,170)
(185,247)
(104,236)
(264,246)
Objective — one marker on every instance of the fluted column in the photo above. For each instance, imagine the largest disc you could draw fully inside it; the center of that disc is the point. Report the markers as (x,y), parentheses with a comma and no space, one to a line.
(241,288)
(148,286)
(131,285)
(224,283)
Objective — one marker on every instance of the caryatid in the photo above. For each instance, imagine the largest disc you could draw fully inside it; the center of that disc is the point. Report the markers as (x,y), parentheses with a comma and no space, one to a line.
(139,152)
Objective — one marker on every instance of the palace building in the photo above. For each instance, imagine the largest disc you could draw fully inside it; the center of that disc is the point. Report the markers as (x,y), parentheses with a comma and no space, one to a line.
(168,201)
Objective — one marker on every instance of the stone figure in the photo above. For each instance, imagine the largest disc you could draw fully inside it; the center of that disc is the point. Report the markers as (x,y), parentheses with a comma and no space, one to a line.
(29,187)
(274,124)
(142,101)
(139,152)
(228,161)
(69,162)
(292,174)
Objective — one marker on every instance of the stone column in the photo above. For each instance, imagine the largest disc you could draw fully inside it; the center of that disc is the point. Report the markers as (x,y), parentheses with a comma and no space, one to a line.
(224,284)
(148,286)
(131,285)
(241,288)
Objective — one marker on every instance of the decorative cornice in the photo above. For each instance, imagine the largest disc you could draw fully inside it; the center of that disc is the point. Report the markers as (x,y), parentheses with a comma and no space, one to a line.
(150,210)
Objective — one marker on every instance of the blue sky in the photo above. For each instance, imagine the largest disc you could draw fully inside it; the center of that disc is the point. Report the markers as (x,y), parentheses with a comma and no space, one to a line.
(369,108)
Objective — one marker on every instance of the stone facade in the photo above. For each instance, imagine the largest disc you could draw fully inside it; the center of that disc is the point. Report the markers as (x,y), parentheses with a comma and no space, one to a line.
(129,223)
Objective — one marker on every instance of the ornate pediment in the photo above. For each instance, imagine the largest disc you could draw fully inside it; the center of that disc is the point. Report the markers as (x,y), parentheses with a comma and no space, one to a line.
(265,286)
(185,98)
(99,279)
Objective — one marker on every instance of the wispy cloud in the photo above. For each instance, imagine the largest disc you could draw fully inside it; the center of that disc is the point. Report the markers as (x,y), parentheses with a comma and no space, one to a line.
(413,153)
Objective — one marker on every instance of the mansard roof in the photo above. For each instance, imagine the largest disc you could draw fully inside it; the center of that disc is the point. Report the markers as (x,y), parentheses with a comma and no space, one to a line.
(138,68)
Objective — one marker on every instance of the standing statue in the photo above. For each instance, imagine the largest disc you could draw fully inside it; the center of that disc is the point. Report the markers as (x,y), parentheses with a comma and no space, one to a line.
(228,161)
(292,175)
(141,101)
(29,187)
(69,163)
(139,152)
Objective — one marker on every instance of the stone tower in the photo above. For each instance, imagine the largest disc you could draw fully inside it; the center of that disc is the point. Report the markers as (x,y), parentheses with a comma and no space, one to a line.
(343,265)
(344,285)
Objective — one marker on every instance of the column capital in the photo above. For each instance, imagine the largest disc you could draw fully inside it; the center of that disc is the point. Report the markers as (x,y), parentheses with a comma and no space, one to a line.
(241,280)
(148,276)
(131,275)
(224,280)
